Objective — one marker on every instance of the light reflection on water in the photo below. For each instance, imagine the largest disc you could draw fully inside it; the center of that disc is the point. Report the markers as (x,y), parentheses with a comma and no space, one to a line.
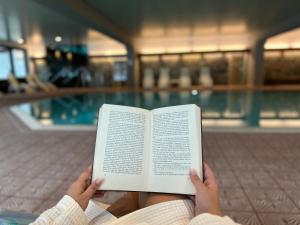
(220,109)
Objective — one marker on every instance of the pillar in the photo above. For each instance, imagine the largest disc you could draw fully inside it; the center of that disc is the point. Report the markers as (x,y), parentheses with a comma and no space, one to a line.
(255,75)
(132,68)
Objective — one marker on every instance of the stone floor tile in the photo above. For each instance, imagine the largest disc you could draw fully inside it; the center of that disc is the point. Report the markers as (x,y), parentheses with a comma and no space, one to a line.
(230,182)
(292,153)
(271,200)
(256,180)
(243,164)
(277,165)
(280,219)
(234,199)
(287,184)
(39,188)
(45,205)
(224,174)
(266,153)
(3,198)
(283,175)
(61,191)
(294,195)
(245,218)
(20,204)
(10,185)
(218,164)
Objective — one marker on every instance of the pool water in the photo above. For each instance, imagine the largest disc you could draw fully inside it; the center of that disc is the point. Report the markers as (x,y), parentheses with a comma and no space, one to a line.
(219,108)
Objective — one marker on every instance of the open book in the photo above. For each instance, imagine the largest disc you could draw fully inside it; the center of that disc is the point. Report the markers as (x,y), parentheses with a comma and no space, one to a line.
(152,151)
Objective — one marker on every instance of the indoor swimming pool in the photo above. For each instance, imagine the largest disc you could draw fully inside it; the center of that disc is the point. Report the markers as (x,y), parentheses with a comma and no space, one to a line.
(226,109)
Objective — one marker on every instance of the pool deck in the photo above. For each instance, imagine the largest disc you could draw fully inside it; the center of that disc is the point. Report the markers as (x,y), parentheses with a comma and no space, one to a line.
(258,173)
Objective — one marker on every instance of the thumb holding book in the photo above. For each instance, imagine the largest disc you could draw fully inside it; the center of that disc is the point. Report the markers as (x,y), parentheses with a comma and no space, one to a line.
(82,190)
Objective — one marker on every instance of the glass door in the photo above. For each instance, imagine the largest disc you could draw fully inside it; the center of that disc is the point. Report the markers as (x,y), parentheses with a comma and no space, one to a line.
(19,62)
(5,65)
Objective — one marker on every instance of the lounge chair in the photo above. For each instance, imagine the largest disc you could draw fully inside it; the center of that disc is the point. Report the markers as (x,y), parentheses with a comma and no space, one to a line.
(185,78)
(35,81)
(148,79)
(164,78)
(31,83)
(16,86)
(205,77)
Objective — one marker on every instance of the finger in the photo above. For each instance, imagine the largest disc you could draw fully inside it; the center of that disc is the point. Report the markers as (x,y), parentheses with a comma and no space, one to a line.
(91,190)
(196,180)
(209,176)
(85,176)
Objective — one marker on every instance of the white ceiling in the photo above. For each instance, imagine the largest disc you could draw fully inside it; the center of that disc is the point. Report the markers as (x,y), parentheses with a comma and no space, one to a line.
(156,26)
(196,25)
(135,16)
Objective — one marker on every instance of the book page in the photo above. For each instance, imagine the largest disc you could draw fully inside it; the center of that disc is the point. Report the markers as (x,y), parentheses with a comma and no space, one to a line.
(176,147)
(120,147)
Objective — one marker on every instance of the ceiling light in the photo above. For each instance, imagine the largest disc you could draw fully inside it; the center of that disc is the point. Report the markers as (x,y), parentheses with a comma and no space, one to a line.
(58,38)
(20,40)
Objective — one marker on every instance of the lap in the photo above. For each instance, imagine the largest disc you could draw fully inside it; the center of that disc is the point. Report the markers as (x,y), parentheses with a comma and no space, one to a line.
(156,198)
(133,201)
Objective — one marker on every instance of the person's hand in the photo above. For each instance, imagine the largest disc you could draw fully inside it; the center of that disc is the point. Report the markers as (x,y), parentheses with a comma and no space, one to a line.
(81,191)
(207,197)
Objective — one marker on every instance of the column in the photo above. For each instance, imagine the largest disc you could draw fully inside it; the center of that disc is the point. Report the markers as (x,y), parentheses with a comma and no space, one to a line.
(256,65)
(132,68)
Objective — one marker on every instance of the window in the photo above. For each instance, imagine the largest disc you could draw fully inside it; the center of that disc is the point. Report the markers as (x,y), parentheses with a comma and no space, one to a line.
(19,62)
(12,61)
(5,66)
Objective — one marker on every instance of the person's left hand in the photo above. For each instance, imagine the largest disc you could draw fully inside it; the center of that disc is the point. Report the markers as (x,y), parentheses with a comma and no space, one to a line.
(81,191)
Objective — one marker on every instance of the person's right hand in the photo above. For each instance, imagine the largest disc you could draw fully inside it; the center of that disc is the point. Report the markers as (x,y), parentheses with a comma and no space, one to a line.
(207,197)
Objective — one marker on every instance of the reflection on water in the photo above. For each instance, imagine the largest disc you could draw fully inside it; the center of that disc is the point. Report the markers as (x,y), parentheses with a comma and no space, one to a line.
(229,109)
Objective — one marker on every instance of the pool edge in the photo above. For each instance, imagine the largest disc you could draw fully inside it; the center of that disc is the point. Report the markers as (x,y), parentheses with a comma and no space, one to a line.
(33,124)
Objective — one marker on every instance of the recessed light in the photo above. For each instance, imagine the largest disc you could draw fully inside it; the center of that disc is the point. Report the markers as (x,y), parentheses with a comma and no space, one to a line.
(20,40)
(58,38)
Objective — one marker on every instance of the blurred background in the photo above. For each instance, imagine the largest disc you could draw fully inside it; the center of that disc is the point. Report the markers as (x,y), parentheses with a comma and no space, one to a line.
(107,44)
(239,61)
(50,48)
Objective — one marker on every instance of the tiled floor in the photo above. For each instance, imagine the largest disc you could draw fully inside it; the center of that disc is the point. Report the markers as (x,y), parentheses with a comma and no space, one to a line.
(258,173)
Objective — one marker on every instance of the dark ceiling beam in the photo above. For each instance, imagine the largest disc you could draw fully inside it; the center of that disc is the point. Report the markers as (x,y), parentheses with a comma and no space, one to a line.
(284,26)
(85,14)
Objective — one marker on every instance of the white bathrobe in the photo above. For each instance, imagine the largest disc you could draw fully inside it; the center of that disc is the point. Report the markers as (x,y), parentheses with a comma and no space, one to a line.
(177,212)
